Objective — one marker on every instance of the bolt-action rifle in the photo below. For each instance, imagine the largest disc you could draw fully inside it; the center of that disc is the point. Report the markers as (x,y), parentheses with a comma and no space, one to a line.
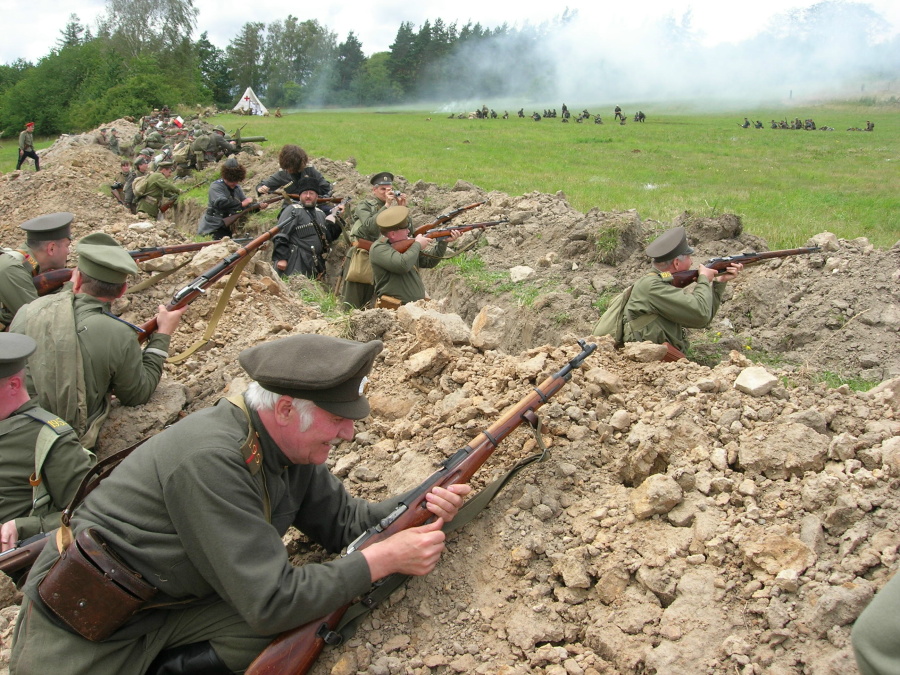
(295,651)
(199,285)
(47,282)
(24,554)
(687,277)
(228,221)
(403,245)
(166,206)
(445,217)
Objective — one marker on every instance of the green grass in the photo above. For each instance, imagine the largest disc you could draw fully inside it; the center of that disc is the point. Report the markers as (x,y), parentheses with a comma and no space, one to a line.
(9,152)
(786,185)
(834,380)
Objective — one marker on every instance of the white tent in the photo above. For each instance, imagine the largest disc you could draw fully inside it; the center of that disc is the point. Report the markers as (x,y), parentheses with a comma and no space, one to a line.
(250,101)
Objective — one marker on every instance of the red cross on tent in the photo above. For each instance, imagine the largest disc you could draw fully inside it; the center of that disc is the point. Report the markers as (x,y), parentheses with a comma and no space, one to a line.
(246,98)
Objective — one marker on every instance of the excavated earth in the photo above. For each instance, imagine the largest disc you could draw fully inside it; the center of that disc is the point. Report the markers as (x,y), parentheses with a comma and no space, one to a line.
(733,517)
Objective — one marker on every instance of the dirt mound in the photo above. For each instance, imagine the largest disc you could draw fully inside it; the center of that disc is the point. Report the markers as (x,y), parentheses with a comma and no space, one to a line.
(690,519)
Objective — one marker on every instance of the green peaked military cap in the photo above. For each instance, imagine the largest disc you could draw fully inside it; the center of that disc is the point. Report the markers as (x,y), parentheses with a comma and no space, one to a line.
(163,164)
(103,258)
(14,350)
(383,178)
(669,245)
(392,217)
(331,372)
(49,227)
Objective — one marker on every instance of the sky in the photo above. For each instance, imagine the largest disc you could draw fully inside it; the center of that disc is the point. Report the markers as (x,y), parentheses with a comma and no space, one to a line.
(38,23)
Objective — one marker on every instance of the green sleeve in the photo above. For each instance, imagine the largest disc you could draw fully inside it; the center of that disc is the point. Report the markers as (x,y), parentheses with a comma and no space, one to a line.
(387,257)
(133,385)
(364,226)
(691,310)
(16,287)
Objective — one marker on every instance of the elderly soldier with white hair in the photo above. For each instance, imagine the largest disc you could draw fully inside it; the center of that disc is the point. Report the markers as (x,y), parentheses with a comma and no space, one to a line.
(197,516)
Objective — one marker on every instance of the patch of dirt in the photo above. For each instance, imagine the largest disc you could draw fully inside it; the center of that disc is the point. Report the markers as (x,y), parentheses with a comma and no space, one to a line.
(685,522)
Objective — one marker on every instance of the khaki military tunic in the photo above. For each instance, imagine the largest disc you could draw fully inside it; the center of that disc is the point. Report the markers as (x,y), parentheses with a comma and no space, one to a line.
(157,191)
(186,511)
(113,359)
(61,472)
(673,308)
(16,285)
(364,227)
(396,273)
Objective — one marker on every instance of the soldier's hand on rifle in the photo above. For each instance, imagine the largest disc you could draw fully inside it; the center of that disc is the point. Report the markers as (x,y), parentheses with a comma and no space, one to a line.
(424,241)
(167,320)
(413,551)
(9,535)
(708,272)
(730,273)
(247,202)
(446,502)
(281,265)
(263,205)
(263,190)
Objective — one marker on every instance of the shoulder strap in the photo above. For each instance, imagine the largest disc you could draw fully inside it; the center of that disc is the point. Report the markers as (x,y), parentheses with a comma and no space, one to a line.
(52,428)
(252,452)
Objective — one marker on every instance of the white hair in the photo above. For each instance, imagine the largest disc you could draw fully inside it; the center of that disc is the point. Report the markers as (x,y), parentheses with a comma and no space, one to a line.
(260,399)
(666,264)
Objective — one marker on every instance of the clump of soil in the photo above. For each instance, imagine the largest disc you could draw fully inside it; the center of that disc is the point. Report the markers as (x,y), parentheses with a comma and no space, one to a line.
(690,518)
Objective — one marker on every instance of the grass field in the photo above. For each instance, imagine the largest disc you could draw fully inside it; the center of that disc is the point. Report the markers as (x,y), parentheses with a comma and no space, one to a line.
(786,185)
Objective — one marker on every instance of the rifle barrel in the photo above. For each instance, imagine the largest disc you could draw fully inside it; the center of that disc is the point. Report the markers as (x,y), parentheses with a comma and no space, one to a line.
(198,286)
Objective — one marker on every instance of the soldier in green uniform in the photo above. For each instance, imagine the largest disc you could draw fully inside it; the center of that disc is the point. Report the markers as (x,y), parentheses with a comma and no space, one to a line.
(876,633)
(154,140)
(42,461)
(659,312)
(113,141)
(359,294)
(200,509)
(158,190)
(26,147)
(396,274)
(84,352)
(218,146)
(47,241)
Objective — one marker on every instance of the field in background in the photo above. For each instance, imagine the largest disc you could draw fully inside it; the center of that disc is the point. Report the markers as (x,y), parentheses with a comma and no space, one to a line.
(786,185)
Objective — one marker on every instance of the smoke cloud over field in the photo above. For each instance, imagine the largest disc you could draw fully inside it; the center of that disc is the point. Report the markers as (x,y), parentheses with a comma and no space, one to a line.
(830,49)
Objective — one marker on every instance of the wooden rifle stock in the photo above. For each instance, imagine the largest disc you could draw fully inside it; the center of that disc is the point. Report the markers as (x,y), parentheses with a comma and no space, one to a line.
(687,277)
(445,217)
(403,245)
(47,282)
(295,651)
(228,221)
(24,554)
(199,285)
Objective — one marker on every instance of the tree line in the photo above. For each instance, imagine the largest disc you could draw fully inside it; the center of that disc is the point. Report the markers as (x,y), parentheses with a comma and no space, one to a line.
(141,56)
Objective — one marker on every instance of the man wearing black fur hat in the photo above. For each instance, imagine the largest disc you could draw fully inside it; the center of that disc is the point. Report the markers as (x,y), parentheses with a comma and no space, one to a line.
(306,235)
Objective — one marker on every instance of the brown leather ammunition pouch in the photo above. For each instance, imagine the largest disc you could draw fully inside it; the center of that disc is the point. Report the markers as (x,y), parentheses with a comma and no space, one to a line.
(92,590)
(388,302)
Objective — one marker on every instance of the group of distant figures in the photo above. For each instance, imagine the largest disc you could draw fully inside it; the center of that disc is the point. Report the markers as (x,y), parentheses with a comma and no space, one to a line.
(489,113)
(798,124)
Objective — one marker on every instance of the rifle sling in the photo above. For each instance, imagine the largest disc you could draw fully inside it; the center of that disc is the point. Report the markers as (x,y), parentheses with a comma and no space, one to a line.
(217,313)
(152,281)
(383,589)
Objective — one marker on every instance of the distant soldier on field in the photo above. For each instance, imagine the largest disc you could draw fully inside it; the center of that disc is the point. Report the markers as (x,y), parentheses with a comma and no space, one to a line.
(618,114)
(745,124)
(26,147)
